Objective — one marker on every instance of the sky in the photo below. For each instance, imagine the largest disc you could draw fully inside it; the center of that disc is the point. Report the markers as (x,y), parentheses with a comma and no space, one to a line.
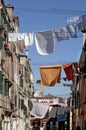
(40,15)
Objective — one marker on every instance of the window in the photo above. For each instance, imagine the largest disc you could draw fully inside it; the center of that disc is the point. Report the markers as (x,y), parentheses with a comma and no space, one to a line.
(21,81)
(6,89)
(1,82)
(1,42)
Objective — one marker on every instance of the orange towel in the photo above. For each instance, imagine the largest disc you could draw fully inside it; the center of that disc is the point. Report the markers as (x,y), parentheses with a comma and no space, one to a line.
(50,75)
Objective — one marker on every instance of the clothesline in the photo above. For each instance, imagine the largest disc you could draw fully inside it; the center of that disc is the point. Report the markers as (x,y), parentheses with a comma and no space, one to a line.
(50,75)
(44,40)
(83,19)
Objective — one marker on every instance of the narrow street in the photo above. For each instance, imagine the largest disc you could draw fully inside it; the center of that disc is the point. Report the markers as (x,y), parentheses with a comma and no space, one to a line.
(42,81)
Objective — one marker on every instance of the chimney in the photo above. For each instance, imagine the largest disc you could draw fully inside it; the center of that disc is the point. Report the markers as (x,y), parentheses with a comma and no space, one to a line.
(10,9)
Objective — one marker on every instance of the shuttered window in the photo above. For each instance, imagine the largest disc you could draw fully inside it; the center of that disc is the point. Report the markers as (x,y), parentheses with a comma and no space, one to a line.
(2,19)
(0,125)
(22,103)
(0,16)
(21,81)
(25,110)
(23,107)
(1,82)
(30,105)
(84,85)
(19,103)
(1,42)
(84,66)
(6,89)
(78,99)
(15,100)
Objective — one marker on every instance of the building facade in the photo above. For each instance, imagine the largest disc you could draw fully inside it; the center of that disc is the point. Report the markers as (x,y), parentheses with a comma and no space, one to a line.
(79,90)
(16,77)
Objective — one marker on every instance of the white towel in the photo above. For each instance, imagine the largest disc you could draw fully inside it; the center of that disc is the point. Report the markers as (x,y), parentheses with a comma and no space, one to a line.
(44,42)
(38,110)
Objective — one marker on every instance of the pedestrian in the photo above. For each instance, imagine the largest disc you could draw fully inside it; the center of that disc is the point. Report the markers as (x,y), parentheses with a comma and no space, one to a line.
(78,128)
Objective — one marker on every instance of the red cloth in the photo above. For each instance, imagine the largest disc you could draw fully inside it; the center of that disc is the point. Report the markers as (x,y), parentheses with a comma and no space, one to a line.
(68,71)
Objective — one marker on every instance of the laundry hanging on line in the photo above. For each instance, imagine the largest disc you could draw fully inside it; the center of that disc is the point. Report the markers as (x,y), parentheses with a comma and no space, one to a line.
(44,42)
(28,38)
(51,75)
(72,30)
(61,34)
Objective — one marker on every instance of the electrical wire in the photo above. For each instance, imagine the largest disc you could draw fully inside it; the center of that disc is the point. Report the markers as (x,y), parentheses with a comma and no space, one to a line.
(53,10)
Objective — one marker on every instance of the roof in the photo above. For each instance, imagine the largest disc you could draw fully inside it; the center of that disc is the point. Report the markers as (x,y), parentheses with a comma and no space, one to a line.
(50,96)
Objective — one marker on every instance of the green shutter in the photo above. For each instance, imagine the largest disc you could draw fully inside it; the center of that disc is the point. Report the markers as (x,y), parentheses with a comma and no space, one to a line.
(22,103)
(30,105)
(23,107)
(21,81)
(0,15)
(15,100)
(25,110)
(0,125)
(2,19)
(1,82)
(19,103)
(1,42)
(6,89)
(84,67)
